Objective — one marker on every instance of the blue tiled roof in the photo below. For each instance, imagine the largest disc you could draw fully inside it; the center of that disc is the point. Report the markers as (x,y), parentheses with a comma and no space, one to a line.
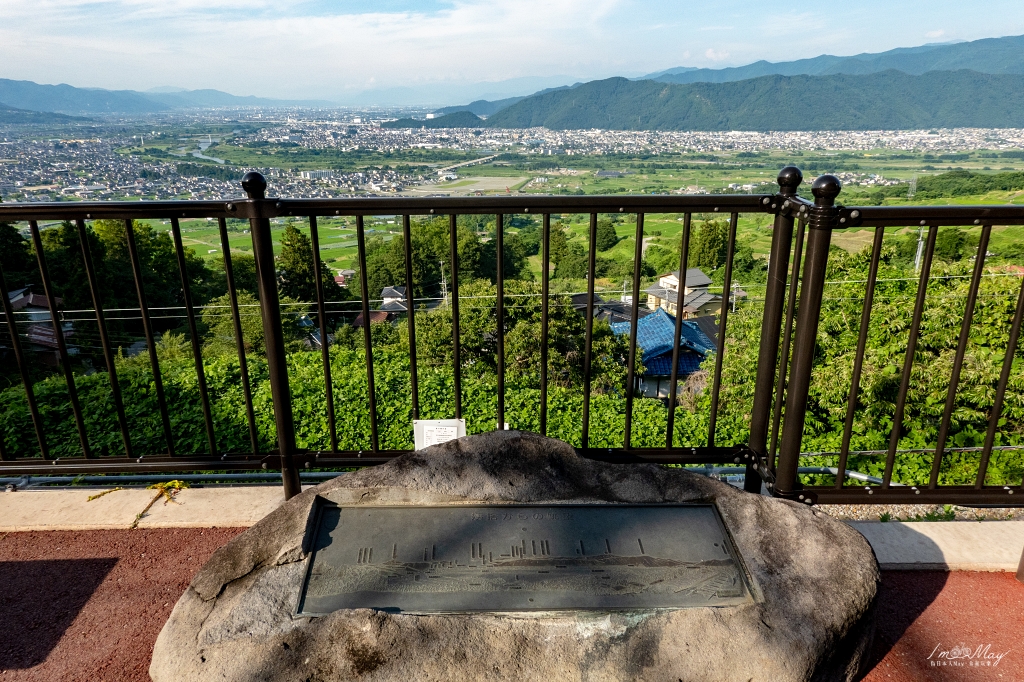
(654,335)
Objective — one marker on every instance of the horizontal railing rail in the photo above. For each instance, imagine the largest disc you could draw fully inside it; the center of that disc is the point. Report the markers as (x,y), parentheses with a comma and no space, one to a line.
(796,277)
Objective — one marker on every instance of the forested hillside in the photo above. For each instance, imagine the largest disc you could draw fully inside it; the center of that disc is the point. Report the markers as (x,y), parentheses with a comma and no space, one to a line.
(882,101)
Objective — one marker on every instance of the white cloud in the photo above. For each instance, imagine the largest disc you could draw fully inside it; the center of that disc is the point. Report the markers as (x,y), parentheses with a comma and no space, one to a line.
(716,55)
(935,34)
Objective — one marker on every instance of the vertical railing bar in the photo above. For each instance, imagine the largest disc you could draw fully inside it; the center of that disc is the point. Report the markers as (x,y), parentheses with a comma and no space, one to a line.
(638,250)
(410,307)
(62,347)
(500,313)
(958,360)
(26,379)
(147,328)
(858,359)
(367,337)
(190,314)
(544,277)
(789,180)
(588,343)
(321,315)
(684,255)
(717,386)
(787,336)
(908,362)
(1004,379)
(456,341)
(108,354)
(236,320)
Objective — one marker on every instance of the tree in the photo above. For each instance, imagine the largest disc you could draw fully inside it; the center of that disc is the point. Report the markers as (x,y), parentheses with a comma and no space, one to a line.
(295,270)
(710,245)
(558,245)
(220,336)
(17,261)
(606,237)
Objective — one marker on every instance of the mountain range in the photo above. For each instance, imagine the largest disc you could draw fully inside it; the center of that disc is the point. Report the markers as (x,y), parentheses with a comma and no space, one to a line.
(988,56)
(887,100)
(67,99)
(978,83)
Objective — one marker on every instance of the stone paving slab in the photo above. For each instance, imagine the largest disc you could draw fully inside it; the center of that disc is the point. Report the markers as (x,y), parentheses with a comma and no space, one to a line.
(238,507)
(947,545)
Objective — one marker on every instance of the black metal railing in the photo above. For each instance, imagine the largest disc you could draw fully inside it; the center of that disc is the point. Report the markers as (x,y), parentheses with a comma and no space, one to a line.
(792,304)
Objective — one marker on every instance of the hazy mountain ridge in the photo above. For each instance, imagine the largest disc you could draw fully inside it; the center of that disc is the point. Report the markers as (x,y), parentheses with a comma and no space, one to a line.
(68,99)
(989,55)
(14,115)
(888,100)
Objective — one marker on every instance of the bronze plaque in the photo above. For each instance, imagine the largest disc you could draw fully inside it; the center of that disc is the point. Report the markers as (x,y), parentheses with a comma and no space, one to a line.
(519,558)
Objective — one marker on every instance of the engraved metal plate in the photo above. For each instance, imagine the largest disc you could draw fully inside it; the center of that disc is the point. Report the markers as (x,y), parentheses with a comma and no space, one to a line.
(519,558)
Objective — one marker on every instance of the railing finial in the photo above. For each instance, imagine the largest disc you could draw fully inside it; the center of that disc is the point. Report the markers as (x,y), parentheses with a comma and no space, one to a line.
(255,185)
(825,190)
(789,179)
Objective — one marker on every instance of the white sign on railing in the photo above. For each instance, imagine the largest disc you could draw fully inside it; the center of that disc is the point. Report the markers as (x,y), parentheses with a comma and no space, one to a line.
(436,431)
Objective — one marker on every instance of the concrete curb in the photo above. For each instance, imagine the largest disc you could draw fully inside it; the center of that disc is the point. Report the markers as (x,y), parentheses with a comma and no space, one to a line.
(947,545)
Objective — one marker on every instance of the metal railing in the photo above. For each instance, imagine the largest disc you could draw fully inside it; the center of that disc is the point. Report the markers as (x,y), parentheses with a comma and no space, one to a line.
(778,384)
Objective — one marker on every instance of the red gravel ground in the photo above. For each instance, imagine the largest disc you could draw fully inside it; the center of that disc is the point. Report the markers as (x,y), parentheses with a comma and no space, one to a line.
(88,605)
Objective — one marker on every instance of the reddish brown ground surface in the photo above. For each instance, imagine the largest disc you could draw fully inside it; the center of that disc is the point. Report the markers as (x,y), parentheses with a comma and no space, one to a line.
(88,606)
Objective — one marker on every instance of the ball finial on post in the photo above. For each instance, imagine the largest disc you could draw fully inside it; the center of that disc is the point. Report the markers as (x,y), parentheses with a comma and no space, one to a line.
(789,179)
(825,190)
(255,185)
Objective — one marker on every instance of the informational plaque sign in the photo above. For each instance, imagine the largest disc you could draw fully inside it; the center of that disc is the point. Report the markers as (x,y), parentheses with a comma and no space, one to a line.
(519,558)
(429,432)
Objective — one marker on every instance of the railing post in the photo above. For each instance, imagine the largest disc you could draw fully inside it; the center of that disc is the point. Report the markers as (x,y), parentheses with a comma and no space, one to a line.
(255,185)
(825,189)
(789,180)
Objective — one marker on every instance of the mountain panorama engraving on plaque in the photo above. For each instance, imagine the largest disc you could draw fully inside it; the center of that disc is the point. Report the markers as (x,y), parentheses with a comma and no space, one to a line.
(518,558)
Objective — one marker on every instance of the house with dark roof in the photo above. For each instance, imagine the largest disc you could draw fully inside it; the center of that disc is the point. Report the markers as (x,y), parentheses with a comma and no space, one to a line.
(654,336)
(607,311)
(393,299)
(697,301)
(32,312)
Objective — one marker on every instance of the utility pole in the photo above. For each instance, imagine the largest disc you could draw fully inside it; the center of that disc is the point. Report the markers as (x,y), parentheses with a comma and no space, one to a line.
(444,284)
(920,232)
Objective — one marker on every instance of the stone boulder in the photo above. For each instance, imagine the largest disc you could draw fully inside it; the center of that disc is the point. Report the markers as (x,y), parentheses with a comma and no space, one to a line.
(814,582)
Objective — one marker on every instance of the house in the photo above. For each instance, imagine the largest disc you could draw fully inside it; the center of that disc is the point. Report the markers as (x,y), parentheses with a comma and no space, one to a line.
(33,314)
(375,317)
(607,311)
(654,336)
(393,299)
(344,277)
(697,300)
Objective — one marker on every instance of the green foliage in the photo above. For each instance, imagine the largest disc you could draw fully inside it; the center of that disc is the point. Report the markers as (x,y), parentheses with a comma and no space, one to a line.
(709,245)
(606,236)
(296,271)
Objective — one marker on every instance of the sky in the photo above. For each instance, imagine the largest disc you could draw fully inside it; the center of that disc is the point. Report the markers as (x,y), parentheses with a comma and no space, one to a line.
(442,52)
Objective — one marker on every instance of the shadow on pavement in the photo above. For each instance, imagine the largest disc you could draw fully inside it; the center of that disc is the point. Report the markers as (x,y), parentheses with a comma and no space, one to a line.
(40,600)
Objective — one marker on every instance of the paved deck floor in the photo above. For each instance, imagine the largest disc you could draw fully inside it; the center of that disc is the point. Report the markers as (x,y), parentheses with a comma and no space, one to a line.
(88,605)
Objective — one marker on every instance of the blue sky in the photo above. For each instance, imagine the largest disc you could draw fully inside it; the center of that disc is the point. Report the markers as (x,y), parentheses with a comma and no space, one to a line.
(436,51)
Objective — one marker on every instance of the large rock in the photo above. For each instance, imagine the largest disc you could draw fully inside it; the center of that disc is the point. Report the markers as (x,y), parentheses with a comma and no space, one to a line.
(814,580)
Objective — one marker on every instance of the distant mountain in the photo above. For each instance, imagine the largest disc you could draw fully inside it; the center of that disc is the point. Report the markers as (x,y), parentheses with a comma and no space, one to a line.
(68,99)
(459,119)
(989,55)
(888,100)
(482,107)
(186,99)
(12,115)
